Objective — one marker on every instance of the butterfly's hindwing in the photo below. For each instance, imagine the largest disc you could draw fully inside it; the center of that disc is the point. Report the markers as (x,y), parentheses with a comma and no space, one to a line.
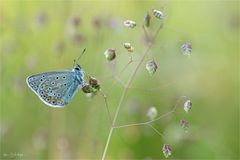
(34,81)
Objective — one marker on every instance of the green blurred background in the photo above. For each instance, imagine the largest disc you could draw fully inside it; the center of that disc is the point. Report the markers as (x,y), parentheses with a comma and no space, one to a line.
(39,36)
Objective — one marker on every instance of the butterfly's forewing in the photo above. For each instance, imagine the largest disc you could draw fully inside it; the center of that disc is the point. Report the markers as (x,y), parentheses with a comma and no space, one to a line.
(55,89)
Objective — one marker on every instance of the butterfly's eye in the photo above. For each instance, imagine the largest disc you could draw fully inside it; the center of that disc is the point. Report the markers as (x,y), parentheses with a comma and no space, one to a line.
(77,68)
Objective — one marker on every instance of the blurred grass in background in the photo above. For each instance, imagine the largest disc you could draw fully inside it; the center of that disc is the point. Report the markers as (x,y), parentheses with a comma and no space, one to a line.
(39,36)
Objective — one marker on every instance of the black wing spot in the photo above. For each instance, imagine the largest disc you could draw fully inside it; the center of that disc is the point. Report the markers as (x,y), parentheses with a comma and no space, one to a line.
(56,77)
(63,77)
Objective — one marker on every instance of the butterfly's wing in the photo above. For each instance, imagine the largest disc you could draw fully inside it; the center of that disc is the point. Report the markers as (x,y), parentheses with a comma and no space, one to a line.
(55,89)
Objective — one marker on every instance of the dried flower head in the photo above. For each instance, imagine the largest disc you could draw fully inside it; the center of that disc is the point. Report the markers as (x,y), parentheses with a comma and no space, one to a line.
(147,19)
(86,88)
(152,113)
(110,54)
(92,87)
(158,14)
(187,105)
(129,23)
(151,67)
(186,49)
(184,124)
(93,82)
(129,47)
(167,151)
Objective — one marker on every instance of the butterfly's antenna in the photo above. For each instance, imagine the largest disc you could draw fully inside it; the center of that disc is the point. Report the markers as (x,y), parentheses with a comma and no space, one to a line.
(81,54)
(74,61)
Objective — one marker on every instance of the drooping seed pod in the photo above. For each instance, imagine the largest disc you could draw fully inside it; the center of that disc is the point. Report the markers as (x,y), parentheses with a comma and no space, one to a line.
(110,54)
(129,23)
(186,49)
(129,47)
(147,19)
(158,14)
(151,67)
(167,151)
(152,113)
(187,105)
(184,124)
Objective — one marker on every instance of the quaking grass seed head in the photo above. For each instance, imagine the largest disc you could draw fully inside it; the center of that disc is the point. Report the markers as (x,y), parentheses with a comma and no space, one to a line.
(151,67)
(184,124)
(158,14)
(152,113)
(129,47)
(129,23)
(147,19)
(110,54)
(186,49)
(187,106)
(167,151)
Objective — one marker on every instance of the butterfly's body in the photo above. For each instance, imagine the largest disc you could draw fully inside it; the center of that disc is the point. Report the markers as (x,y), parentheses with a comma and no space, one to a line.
(57,88)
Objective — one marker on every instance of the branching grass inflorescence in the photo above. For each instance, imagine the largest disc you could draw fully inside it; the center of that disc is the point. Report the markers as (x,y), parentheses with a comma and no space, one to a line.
(151,66)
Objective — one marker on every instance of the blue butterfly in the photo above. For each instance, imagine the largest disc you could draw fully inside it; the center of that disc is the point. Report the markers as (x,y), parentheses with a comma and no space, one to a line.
(57,88)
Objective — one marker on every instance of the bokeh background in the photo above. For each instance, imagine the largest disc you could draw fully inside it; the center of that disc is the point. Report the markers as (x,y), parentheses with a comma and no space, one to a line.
(39,36)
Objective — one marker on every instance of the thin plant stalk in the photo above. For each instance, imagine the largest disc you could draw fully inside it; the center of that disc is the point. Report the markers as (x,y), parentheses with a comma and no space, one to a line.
(125,92)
